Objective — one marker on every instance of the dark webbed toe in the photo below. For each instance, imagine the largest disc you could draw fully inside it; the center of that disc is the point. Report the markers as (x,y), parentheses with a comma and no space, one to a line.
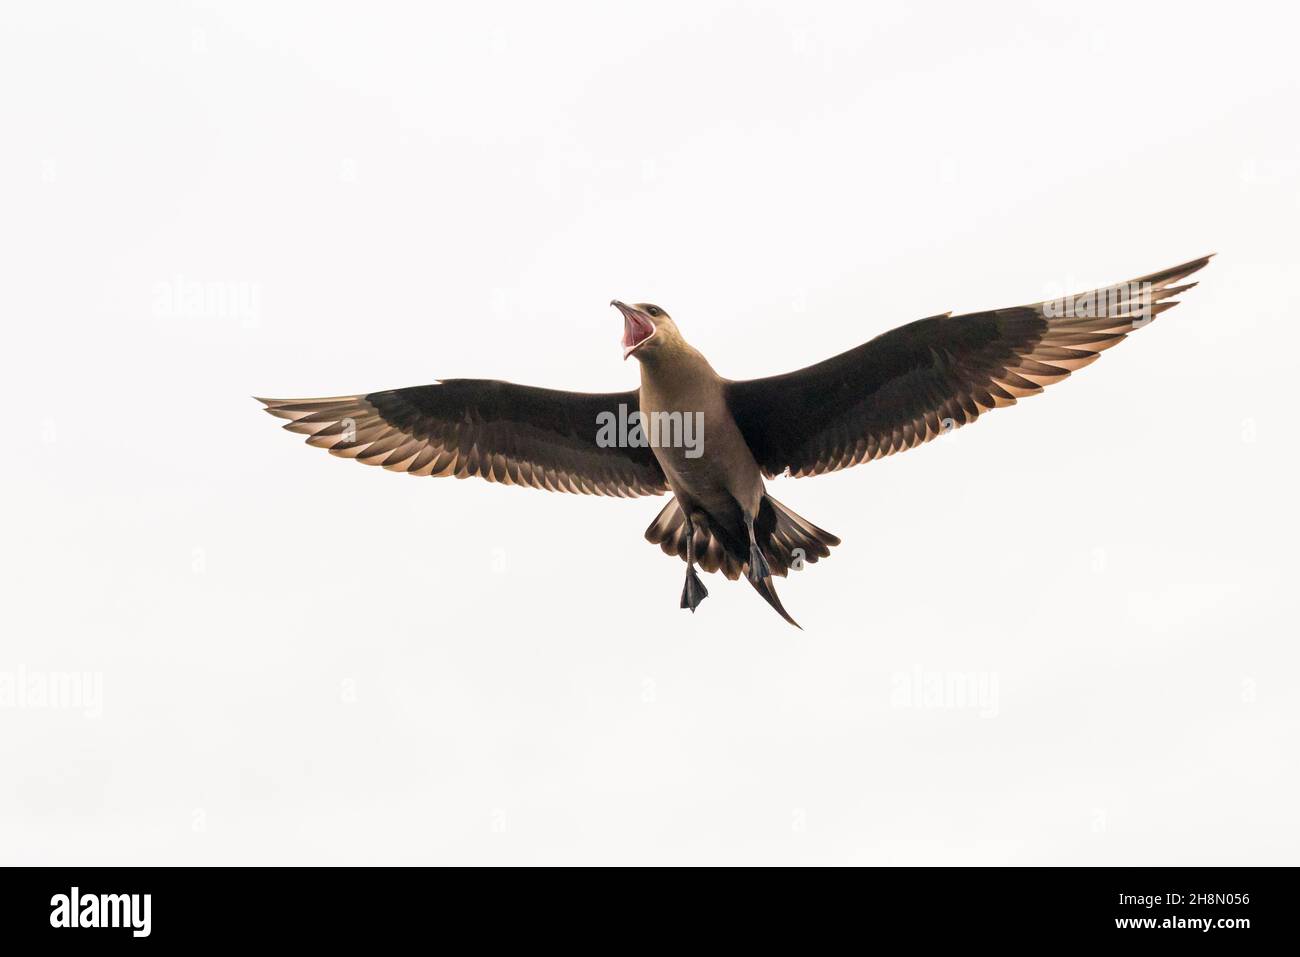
(693,592)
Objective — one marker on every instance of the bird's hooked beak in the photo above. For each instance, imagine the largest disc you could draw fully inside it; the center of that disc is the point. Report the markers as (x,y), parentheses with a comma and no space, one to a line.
(637,327)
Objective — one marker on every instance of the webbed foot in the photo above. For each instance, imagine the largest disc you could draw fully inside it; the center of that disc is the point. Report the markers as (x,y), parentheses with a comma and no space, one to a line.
(694,591)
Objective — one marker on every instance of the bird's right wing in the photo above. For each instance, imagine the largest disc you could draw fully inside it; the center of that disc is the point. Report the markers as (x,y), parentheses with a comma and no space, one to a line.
(933,375)
(499,431)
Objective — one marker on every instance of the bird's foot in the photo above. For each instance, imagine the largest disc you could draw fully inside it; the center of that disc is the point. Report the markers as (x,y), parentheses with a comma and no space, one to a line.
(694,591)
(758,567)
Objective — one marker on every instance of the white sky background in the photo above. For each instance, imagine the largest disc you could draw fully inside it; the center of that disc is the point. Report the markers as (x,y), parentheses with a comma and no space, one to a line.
(308,661)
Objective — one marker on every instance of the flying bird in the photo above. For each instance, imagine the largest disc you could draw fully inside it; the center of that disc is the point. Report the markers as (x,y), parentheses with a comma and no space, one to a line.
(711,442)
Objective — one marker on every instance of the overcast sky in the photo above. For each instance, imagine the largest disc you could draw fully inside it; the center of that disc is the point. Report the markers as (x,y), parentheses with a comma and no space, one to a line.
(1066,634)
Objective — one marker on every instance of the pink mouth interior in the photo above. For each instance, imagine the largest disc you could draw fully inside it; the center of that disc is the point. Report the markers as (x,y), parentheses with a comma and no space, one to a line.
(636,329)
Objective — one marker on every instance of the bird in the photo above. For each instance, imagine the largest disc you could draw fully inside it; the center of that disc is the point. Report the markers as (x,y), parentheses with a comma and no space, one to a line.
(712,443)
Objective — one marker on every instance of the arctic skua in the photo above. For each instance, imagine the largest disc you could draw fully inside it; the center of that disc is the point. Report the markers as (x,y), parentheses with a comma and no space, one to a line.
(711,442)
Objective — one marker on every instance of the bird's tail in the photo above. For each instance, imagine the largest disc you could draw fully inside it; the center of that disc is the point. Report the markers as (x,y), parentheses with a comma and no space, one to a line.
(789,541)
(768,591)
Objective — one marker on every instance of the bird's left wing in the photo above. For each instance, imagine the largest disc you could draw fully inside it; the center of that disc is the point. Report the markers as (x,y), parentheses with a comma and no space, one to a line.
(499,431)
(933,375)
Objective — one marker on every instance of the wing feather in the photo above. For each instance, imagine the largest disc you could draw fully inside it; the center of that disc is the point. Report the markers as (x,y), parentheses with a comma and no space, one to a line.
(926,378)
(498,431)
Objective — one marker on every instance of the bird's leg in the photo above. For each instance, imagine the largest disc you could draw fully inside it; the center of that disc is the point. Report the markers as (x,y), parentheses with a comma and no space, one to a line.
(693,592)
(758,567)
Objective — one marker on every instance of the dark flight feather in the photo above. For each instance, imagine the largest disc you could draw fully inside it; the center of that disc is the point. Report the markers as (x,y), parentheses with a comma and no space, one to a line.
(499,431)
(920,380)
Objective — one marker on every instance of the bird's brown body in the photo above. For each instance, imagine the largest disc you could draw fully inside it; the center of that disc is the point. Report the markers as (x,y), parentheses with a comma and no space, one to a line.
(718,493)
(725,475)
(899,390)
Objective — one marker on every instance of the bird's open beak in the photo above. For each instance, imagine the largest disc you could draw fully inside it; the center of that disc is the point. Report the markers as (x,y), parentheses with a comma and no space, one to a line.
(637,327)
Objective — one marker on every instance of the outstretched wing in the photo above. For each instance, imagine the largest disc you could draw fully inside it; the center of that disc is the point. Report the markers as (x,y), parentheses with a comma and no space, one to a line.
(513,434)
(933,375)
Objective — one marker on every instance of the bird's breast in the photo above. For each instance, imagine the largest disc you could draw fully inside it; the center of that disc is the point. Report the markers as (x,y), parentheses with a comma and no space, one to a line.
(702,452)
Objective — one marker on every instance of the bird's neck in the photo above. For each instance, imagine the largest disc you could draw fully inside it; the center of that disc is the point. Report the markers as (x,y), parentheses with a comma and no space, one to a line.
(674,366)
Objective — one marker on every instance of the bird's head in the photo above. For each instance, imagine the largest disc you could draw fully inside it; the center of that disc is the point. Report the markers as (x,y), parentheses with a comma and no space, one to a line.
(647,329)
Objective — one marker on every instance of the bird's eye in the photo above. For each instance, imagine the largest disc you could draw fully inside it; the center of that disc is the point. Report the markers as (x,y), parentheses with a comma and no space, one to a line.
(655,311)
